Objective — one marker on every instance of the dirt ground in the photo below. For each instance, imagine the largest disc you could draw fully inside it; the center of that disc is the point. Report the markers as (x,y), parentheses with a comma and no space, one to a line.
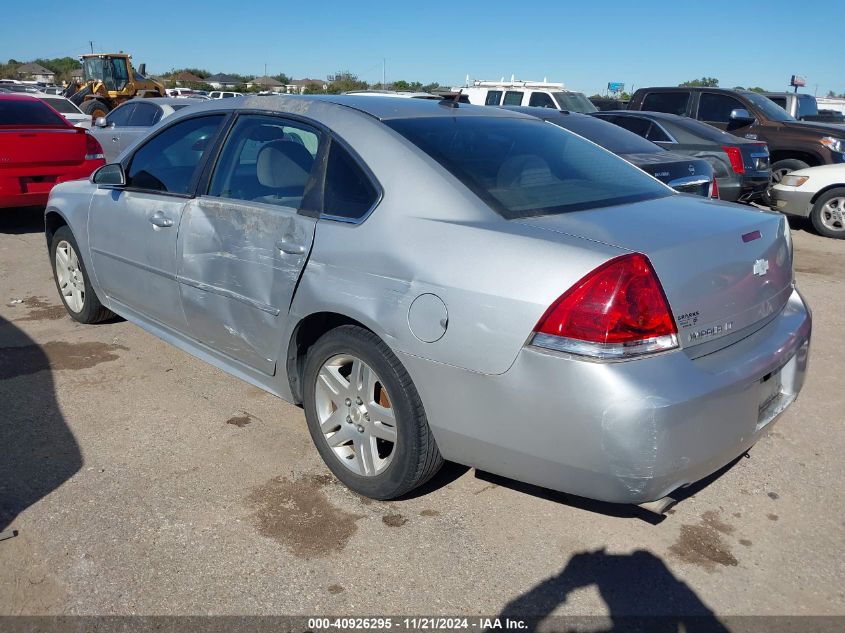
(143,481)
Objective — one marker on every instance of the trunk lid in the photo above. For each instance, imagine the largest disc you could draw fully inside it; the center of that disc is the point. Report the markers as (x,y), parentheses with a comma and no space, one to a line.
(41,146)
(725,270)
(682,173)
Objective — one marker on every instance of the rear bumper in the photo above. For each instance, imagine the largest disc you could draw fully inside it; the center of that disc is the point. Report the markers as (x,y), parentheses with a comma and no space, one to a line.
(626,432)
(748,188)
(30,186)
(791,201)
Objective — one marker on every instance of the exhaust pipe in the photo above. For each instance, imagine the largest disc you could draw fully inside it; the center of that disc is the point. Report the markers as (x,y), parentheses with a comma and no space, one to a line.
(660,506)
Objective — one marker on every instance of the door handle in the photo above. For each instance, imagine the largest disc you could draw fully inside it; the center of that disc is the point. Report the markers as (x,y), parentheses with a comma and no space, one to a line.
(160,220)
(290,248)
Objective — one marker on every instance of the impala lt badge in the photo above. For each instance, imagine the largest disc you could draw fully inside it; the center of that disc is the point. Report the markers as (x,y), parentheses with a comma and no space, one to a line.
(761,267)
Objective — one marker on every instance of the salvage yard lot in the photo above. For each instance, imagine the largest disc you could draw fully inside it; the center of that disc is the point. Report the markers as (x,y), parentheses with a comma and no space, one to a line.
(150,482)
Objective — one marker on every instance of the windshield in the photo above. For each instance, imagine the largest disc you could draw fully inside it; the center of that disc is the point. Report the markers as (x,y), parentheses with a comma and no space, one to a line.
(523,168)
(769,107)
(92,68)
(574,102)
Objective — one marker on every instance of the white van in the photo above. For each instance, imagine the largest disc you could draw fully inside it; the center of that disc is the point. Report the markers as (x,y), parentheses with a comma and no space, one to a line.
(541,94)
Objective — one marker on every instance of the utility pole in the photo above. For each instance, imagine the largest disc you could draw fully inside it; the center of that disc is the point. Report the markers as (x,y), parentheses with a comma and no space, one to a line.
(383,71)
(265,69)
(91,43)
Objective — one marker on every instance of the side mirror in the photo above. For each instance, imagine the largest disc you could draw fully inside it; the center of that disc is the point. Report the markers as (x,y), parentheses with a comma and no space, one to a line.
(111,174)
(100,121)
(142,69)
(741,115)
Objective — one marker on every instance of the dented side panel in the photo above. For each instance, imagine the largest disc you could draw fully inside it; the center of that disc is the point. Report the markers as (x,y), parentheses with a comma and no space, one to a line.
(235,279)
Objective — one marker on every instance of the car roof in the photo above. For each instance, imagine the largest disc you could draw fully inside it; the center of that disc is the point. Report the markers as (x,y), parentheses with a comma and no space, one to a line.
(380,107)
(18,96)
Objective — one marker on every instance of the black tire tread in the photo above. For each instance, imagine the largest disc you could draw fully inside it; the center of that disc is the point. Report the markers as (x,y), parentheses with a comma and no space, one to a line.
(93,311)
(429,458)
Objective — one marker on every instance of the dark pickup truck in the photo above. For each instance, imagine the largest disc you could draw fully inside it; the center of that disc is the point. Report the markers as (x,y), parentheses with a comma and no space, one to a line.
(792,144)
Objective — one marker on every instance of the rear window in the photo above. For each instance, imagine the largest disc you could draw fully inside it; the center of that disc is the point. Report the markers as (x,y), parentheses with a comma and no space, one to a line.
(19,112)
(524,168)
(609,136)
(671,102)
(62,105)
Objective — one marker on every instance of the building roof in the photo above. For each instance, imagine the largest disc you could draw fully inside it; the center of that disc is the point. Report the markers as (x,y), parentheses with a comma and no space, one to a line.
(306,82)
(266,81)
(186,76)
(222,78)
(34,69)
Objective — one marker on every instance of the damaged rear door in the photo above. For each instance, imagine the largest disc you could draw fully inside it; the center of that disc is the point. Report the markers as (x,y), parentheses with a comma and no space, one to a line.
(243,245)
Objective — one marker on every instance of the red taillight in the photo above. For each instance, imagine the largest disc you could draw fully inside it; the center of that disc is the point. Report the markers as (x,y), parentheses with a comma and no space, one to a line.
(616,311)
(93,149)
(735,156)
(714,189)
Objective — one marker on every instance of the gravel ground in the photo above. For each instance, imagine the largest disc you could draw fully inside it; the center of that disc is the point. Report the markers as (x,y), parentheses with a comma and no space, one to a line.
(142,481)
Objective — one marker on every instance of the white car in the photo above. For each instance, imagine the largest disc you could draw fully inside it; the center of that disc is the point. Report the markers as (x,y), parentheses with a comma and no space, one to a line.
(817,193)
(224,94)
(543,94)
(67,108)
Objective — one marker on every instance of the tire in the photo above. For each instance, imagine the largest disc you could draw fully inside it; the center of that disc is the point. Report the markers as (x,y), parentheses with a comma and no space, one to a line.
(95,108)
(779,170)
(72,278)
(828,214)
(363,457)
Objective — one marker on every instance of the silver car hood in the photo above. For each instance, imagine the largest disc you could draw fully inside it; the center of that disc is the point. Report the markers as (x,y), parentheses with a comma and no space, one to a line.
(722,280)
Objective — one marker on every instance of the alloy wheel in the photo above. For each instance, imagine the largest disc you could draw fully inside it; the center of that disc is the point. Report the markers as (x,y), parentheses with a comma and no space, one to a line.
(833,214)
(70,276)
(355,415)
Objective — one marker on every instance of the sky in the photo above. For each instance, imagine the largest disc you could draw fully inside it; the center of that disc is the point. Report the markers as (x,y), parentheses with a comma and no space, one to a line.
(583,44)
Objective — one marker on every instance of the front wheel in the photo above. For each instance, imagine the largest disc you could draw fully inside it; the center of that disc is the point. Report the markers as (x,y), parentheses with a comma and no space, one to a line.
(365,415)
(828,214)
(72,282)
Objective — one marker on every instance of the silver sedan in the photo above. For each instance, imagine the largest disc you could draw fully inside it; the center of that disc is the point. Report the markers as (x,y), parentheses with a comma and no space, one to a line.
(439,281)
(131,120)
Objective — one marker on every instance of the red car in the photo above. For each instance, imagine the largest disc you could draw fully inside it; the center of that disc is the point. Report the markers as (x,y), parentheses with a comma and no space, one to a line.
(38,149)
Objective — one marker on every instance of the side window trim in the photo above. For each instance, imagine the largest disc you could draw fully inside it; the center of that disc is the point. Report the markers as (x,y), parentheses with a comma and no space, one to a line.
(200,169)
(364,169)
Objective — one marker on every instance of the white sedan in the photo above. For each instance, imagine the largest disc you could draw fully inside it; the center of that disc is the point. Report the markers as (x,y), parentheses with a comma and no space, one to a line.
(817,193)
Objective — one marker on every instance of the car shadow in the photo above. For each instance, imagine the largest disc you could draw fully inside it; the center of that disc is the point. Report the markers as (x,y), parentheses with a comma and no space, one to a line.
(38,452)
(621,510)
(21,220)
(640,592)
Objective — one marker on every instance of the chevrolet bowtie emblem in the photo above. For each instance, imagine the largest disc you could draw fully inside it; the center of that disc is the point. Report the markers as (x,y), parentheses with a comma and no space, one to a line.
(761,267)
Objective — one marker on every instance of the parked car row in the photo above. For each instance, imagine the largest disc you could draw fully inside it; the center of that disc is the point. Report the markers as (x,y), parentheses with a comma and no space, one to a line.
(421,274)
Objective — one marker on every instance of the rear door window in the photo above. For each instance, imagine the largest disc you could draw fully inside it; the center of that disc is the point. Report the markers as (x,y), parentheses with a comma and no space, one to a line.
(494,97)
(266,159)
(633,124)
(716,108)
(513,97)
(541,100)
(168,161)
(671,102)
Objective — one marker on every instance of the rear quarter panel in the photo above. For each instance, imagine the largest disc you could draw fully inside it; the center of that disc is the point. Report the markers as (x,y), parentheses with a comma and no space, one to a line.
(431,235)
